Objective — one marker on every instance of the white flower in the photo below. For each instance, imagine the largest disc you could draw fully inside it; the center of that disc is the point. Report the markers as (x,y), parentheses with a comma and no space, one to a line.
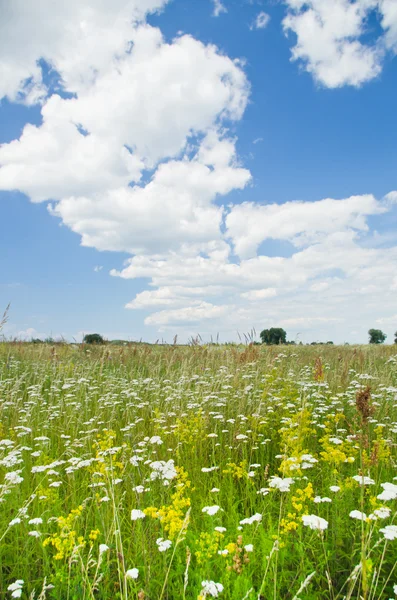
(241,436)
(37,521)
(163,470)
(380,513)
(363,480)
(336,441)
(249,548)
(395,588)
(211,588)
(220,529)
(35,534)
(214,490)
(156,439)
(250,520)
(314,522)
(132,574)
(137,514)
(390,532)
(103,548)
(318,499)
(283,485)
(357,514)
(163,545)
(211,510)
(209,469)
(389,492)
(15,521)
(334,488)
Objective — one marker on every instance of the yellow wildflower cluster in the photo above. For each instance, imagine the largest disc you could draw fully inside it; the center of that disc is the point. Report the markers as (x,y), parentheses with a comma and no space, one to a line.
(172,516)
(238,471)
(208,546)
(190,429)
(66,539)
(105,460)
(293,439)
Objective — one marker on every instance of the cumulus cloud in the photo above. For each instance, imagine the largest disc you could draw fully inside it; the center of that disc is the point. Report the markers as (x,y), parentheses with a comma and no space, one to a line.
(301,223)
(139,154)
(80,39)
(329,38)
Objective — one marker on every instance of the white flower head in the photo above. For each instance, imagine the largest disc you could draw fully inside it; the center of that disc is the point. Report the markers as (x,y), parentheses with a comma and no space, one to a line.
(137,514)
(249,548)
(211,510)
(363,480)
(132,574)
(357,514)
(314,522)
(257,517)
(103,548)
(389,492)
(163,545)
(210,588)
(334,488)
(390,532)
(283,485)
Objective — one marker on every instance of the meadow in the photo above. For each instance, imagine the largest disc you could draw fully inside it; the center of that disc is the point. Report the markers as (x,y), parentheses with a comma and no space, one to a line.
(168,472)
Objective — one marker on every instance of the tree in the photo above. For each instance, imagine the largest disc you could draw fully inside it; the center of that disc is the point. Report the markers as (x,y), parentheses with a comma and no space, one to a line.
(395,338)
(275,335)
(376,336)
(93,338)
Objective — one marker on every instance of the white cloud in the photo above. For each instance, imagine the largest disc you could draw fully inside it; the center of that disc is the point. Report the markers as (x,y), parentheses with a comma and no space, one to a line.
(80,39)
(391,197)
(189,314)
(301,223)
(260,294)
(261,21)
(329,38)
(138,161)
(219,8)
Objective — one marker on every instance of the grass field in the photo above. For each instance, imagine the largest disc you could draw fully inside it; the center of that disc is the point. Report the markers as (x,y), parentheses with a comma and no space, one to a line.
(154,473)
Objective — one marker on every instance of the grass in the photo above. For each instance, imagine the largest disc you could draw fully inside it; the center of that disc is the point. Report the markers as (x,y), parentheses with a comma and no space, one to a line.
(108,457)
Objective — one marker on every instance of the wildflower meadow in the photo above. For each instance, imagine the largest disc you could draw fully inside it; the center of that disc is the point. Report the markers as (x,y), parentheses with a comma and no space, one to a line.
(170,472)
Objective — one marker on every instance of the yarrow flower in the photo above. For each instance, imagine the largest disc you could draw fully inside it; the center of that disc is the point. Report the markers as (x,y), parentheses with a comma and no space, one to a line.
(103,548)
(334,488)
(364,480)
(210,588)
(132,574)
(283,485)
(389,492)
(257,517)
(357,514)
(163,545)
(314,522)
(390,532)
(137,514)
(211,510)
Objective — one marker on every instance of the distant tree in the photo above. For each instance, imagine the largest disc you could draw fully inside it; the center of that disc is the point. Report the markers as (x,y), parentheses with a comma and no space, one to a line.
(93,338)
(330,343)
(395,338)
(376,336)
(275,335)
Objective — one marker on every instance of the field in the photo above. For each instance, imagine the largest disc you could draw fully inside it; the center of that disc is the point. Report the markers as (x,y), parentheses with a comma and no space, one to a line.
(154,473)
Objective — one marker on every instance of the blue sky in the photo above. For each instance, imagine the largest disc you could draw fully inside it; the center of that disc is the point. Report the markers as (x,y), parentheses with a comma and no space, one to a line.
(218,185)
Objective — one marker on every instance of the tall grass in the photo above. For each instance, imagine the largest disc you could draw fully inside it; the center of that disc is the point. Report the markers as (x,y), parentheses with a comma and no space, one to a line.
(108,457)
